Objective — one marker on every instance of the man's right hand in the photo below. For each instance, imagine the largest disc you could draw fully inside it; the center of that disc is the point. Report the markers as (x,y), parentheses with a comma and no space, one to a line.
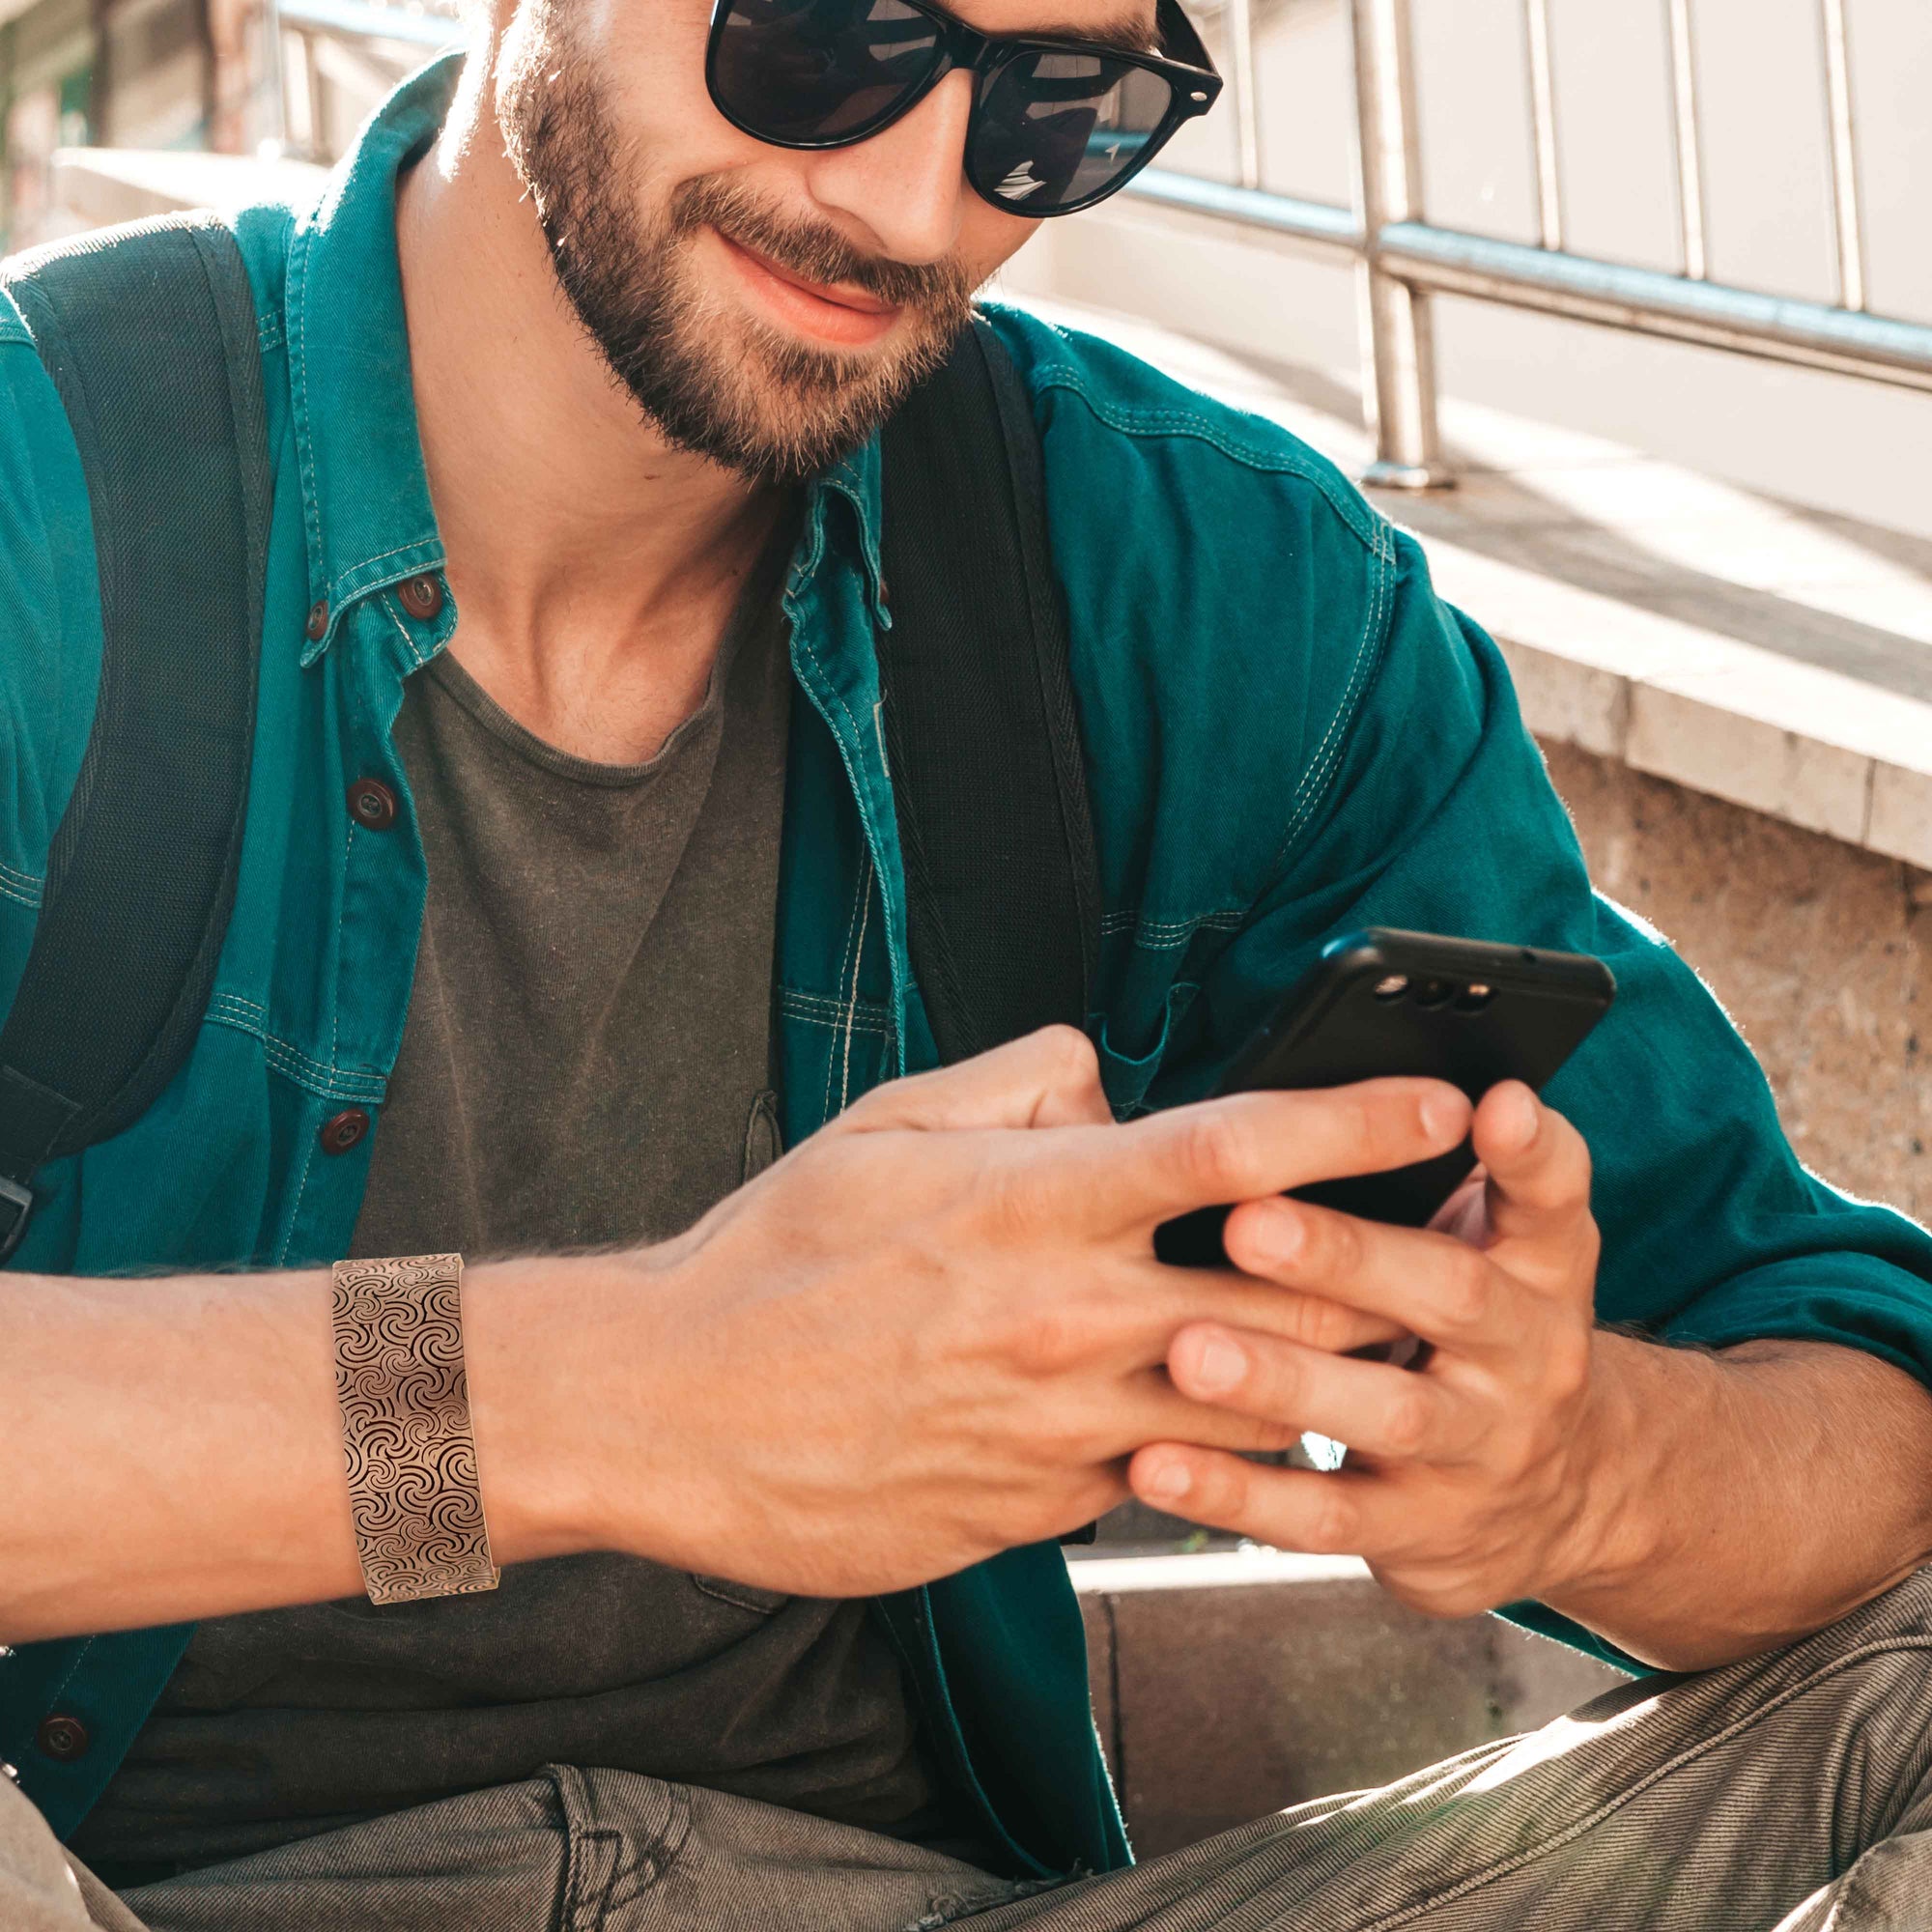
(933,1331)
(936,1329)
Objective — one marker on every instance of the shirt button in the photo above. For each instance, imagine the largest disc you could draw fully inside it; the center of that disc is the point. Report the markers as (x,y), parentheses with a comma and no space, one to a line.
(61,1738)
(422,596)
(317,625)
(344,1131)
(372,805)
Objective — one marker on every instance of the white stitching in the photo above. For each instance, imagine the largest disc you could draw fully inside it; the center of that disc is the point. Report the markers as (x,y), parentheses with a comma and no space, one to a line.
(799,636)
(1326,761)
(1159,934)
(1360,517)
(344,1083)
(852,1007)
(402,630)
(817,1009)
(299,376)
(31,900)
(845,958)
(334,1040)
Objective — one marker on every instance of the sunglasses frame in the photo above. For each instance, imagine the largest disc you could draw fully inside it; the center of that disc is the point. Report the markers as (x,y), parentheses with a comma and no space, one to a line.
(1194,84)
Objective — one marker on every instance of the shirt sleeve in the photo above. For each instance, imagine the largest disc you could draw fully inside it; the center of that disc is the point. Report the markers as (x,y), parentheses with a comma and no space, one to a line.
(1441,818)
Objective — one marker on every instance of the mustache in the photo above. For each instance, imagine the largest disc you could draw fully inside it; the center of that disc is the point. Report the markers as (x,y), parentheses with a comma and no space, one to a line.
(815,252)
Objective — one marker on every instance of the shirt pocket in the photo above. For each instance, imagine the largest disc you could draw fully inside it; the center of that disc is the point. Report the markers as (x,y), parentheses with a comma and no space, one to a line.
(741,1596)
(1126,1067)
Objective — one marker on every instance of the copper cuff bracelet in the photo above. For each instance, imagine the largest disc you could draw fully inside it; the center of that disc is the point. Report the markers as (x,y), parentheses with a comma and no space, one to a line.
(411,1456)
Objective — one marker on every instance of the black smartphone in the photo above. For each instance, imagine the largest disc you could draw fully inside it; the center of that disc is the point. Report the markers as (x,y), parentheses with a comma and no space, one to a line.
(1382,1002)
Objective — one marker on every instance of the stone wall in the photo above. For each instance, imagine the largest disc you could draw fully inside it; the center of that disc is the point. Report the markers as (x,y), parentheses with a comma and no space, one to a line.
(1821,953)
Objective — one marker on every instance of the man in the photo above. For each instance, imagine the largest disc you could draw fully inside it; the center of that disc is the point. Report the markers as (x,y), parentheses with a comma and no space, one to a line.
(553,920)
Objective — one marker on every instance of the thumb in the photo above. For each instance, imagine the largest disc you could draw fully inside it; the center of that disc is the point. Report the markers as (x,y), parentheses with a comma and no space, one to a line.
(1046,1079)
(1539,1167)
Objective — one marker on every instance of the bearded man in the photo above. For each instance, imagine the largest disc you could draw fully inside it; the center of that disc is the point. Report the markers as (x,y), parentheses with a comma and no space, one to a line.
(557,918)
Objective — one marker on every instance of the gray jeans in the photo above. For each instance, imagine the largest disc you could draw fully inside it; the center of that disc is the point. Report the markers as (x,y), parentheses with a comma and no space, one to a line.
(1791,1794)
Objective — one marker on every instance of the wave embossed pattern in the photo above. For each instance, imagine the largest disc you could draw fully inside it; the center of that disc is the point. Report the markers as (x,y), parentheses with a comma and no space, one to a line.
(405,1433)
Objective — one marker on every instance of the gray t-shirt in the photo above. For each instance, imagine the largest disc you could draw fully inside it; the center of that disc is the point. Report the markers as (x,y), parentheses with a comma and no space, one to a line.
(585,1061)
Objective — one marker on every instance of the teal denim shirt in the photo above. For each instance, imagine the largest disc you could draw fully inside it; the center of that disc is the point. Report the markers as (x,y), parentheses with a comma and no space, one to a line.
(1289,735)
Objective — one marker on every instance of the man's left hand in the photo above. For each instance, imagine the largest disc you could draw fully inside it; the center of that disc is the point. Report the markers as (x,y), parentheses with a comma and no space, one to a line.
(1472,1480)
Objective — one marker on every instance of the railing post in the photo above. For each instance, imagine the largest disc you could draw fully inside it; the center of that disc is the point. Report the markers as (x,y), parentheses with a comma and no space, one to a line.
(1240,35)
(1399,347)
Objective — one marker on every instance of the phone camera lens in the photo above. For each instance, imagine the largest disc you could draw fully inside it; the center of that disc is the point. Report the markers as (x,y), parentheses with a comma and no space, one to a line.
(1393,987)
(1433,993)
(1474,998)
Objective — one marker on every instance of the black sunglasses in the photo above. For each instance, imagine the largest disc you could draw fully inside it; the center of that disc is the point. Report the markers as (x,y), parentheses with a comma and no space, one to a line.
(1057,123)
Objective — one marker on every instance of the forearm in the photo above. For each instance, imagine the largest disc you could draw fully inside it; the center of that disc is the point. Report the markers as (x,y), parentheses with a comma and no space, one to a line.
(173,1447)
(1747,1498)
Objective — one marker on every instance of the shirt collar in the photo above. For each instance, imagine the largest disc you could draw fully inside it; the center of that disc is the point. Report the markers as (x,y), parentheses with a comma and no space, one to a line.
(366,493)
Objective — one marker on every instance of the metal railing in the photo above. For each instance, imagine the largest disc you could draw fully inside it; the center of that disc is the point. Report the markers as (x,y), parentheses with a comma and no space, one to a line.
(1404,259)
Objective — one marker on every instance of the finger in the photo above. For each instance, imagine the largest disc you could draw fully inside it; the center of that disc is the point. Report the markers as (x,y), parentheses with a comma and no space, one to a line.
(1176,1295)
(1105,1421)
(1539,1166)
(1247,1145)
(1379,1411)
(1325,1515)
(1430,1285)
(1157,1411)
(1046,1079)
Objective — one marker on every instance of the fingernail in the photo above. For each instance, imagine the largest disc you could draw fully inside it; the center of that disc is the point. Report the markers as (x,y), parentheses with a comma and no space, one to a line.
(1170,1482)
(1523,1116)
(1219,1364)
(1443,1117)
(1275,1233)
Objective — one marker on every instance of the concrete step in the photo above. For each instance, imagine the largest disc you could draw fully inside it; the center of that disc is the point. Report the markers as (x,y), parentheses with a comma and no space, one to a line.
(1235,1683)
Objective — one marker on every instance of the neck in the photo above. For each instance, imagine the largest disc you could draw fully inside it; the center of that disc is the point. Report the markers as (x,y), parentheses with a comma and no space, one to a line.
(592,564)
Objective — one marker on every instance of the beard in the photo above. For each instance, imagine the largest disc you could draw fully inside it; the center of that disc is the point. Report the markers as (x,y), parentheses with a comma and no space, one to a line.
(710,378)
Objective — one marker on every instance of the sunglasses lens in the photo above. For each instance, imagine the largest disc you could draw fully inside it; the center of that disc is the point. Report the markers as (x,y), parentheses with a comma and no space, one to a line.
(818,71)
(1058,129)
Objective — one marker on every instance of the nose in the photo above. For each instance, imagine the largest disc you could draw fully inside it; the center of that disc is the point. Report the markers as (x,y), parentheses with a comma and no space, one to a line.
(907,182)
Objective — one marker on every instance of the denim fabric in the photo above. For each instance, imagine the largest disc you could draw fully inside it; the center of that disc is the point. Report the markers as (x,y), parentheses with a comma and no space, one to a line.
(1288,734)
(1792,1792)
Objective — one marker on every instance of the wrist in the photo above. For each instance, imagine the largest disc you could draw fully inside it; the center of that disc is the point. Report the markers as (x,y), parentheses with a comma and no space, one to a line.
(536,1342)
(1617,1535)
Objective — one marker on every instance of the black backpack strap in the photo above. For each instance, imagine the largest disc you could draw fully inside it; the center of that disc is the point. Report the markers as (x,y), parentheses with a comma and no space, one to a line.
(149,332)
(990,777)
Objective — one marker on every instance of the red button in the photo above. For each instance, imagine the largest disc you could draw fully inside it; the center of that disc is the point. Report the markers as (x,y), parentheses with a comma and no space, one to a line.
(317,625)
(61,1738)
(422,596)
(344,1131)
(372,805)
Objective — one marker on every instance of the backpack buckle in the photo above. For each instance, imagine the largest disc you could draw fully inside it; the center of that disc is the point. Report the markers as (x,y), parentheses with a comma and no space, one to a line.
(17,1207)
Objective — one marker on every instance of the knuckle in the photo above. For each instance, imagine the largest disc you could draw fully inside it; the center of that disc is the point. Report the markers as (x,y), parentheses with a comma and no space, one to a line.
(1017,1202)
(1465,1292)
(1337,1246)
(1043,1342)
(1365,1130)
(1317,1323)
(1334,1522)
(1567,1365)
(1070,1054)
(1211,1147)
(1406,1422)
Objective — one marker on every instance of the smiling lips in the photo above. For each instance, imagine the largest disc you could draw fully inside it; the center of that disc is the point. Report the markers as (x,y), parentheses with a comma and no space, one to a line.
(840,312)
